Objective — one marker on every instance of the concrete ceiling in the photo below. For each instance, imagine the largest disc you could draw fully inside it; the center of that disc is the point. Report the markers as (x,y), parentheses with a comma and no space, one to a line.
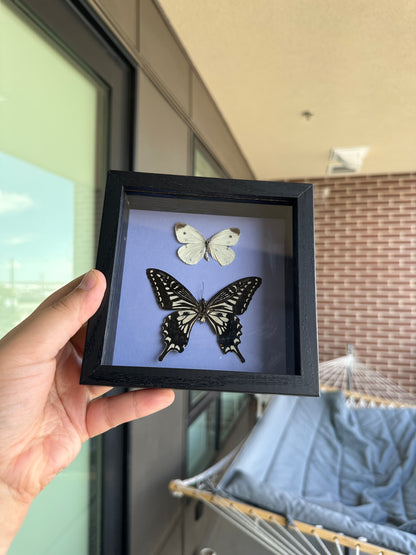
(352,65)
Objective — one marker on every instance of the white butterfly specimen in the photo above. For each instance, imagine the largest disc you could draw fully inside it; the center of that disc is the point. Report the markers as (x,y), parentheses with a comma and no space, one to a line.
(221,311)
(196,246)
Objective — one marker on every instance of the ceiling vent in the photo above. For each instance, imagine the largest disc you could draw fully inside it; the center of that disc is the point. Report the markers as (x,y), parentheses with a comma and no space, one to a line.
(346,160)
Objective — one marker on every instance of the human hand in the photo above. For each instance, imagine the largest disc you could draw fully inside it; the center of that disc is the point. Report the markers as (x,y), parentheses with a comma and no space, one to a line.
(45,414)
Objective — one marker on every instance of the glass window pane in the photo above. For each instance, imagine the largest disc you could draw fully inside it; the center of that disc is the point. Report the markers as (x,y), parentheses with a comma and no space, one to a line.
(201,440)
(204,164)
(195,396)
(52,124)
(232,405)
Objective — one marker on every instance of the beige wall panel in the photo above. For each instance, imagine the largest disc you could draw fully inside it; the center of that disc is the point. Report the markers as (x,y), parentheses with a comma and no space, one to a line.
(163,53)
(123,14)
(162,136)
(215,132)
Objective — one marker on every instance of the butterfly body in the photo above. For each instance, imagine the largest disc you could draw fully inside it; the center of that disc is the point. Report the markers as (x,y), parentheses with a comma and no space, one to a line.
(196,246)
(206,250)
(221,311)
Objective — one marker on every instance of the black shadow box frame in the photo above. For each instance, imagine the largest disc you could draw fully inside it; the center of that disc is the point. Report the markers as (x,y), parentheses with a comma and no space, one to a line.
(278,338)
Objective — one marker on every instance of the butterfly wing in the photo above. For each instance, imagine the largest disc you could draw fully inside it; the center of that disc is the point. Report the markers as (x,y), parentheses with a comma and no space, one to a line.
(224,308)
(235,297)
(194,247)
(228,328)
(218,246)
(170,294)
(176,329)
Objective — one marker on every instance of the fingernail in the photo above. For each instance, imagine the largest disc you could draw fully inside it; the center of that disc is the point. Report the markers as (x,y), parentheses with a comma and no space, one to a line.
(88,281)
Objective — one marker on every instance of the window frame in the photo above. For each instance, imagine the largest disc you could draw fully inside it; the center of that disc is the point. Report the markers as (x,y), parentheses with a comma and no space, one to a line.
(75,27)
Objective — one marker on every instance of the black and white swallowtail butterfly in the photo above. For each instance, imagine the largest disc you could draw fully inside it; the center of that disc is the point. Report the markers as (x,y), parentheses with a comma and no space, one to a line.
(221,311)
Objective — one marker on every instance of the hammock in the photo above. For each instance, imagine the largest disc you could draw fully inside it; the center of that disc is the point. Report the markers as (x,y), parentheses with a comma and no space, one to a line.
(364,386)
(315,473)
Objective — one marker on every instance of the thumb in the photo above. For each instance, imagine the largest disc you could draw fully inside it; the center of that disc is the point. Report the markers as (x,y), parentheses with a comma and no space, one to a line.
(41,336)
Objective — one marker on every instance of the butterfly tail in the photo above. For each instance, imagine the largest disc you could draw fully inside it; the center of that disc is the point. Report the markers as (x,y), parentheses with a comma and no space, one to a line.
(228,347)
(236,350)
(168,347)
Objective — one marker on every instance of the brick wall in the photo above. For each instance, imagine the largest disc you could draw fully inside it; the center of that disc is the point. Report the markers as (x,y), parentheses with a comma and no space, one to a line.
(366,271)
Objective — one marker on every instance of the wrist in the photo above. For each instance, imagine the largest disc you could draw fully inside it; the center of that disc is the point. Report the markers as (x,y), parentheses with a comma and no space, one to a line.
(12,513)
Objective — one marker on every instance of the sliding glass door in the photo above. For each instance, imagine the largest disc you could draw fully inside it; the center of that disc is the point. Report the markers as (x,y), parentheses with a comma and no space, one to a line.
(56,107)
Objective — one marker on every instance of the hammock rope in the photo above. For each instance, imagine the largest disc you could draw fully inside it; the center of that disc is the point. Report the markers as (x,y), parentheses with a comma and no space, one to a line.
(289,537)
(363,386)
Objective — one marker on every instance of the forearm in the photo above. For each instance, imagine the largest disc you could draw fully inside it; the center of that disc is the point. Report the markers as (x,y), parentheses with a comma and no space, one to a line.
(12,514)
